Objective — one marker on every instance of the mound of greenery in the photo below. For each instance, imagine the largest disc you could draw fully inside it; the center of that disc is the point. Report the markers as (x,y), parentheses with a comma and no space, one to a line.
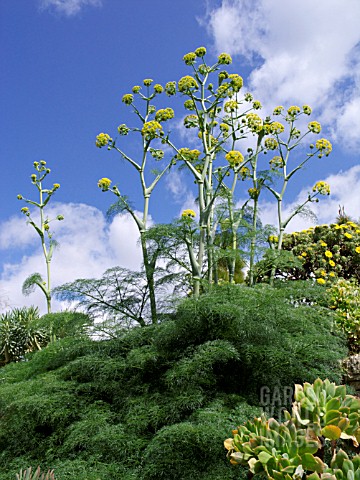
(158,402)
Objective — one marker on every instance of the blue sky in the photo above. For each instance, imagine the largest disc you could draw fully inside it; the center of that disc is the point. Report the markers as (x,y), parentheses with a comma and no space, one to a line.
(65,65)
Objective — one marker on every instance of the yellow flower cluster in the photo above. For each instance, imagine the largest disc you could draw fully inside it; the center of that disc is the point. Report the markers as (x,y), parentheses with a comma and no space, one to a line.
(314,127)
(191,121)
(254,122)
(224,127)
(158,88)
(230,106)
(189,104)
(234,157)
(189,58)
(322,187)
(147,82)
(187,154)
(151,129)
(104,184)
(200,52)
(170,89)
(236,82)
(273,128)
(321,281)
(254,193)
(293,111)
(244,173)
(56,186)
(187,83)
(128,98)
(307,110)
(164,114)
(276,162)
(102,140)
(273,239)
(278,110)
(224,59)
(324,146)
(271,143)
(136,88)
(257,105)
(357,249)
(328,254)
(188,213)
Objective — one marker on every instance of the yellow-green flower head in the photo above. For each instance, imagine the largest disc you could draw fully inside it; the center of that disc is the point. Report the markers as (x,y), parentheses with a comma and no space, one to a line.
(322,187)
(189,104)
(123,129)
(33,177)
(257,105)
(276,162)
(293,111)
(357,249)
(328,254)
(273,128)
(321,281)
(104,184)
(273,239)
(234,157)
(188,213)
(128,98)
(307,110)
(271,143)
(314,127)
(36,164)
(42,162)
(25,210)
(347,235)
(236,82)
(102,140)
(224,59)
(224,127)
(248,97)
(324,146)
(254,193)
(187,83)
(223,75)
(278,110)
(56,186)
(191,121)
(254,122)
(170,89)
(200,52)
(230,106)
(164,114)
(244,173)
(189,58)
(19,197)
(60,217)
(151,129)
(136,89)
(331,263)
(46,226)
(152,109)
(223,91)
(158,88)
(187,154)
(147,82)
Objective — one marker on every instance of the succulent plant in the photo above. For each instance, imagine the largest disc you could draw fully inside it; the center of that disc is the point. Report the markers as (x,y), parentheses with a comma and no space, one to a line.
(28,474)
(279,449)
(327,410)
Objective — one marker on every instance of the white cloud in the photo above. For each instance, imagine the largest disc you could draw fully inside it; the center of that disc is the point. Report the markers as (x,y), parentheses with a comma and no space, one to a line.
(68,7)
(306,52)
(87,247)
(176,183)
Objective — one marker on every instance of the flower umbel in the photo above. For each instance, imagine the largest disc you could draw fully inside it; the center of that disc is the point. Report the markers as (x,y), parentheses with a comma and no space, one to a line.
(102,140)
(104,184)
(322,187)
(234,157)
(188,213)
(151,129)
